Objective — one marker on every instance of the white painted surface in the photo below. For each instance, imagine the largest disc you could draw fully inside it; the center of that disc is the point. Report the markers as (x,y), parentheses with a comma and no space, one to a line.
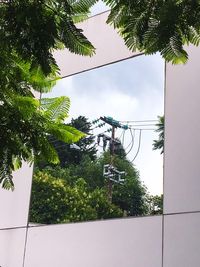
(182,240)
(182,129)
(12,247)
(113,243)
(109,46)
(14,205)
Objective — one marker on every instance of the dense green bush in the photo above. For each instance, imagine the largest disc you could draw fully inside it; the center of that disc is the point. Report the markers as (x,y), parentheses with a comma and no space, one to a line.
(55,201)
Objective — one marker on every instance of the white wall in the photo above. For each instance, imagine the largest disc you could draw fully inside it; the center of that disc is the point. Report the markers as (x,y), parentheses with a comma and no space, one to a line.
(182,147)
(109,48)
(14,205)
(113,243)
(181,164)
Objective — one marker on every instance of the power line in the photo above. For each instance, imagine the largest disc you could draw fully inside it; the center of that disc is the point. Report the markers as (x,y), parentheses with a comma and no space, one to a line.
(145,125)
(143,129)
(140,135)
(132,142)
(140,121)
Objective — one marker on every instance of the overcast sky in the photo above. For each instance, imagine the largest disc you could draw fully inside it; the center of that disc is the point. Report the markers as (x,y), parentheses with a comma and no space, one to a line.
(129,90)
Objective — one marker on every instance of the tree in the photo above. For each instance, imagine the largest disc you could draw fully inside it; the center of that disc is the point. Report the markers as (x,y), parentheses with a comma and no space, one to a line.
(157,26)
(159,144)
(155,204)
(84,147)
(32,29)
(129,196)
(55,201)
(29,31)
(25,126)
(87,146)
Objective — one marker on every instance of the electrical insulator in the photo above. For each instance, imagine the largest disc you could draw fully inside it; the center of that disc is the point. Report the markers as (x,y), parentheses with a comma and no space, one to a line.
(104,142)
(98,139)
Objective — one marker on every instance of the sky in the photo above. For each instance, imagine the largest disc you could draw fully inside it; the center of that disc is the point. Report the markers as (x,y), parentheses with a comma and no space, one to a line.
(130,90)
(99,7)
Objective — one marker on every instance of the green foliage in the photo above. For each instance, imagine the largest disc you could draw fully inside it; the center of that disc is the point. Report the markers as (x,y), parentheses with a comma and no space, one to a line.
(55,201)
(24,134)
(34,28)
(56,109)
(86,192)
(157,26)
(155,204)
(129,197)
(29,32)
(90,170)
(159,144)
(85,146)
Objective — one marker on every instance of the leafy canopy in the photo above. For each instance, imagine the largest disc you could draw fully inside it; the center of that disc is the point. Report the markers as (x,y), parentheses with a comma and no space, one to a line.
(56,201)
(34,28)
(25,127)
(29,32)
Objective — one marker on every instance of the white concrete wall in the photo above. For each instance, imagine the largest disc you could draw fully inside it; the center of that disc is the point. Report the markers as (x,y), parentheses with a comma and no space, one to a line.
(109,48)
(182,147)
(181,241)
(14,205)
(12,244)
(113,243)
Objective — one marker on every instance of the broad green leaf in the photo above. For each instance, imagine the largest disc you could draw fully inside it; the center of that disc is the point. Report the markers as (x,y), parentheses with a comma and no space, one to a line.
(56,109)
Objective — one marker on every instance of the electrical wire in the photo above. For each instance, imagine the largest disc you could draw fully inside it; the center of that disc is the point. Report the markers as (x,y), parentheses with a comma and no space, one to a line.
(132,141)
(144,125)
(140,135)
(121,134)
(140,121)
(143,129)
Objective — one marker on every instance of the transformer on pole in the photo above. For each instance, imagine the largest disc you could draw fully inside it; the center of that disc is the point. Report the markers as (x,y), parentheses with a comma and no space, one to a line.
(110,172)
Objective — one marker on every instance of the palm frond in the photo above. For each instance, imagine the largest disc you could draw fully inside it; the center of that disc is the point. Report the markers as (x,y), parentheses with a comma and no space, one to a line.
(82,6)
(159,144)
(194,36)
(56,109)
(74,39)
(65,133)
(41,82)
(35,76)
(6,179)
(174,51)
(27,106)
(48,152)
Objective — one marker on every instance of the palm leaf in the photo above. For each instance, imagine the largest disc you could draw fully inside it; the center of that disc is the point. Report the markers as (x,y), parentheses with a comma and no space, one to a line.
(36,77)
(6,179)
(65,133)
(48,152)
(74,39)
(41,82)
(81,6)
(194,36)
(27,106)
(56,109)
(174,51)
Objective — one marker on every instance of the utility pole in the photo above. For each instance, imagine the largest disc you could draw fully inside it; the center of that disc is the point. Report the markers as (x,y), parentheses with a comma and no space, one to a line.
(109,170)
(112,152)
